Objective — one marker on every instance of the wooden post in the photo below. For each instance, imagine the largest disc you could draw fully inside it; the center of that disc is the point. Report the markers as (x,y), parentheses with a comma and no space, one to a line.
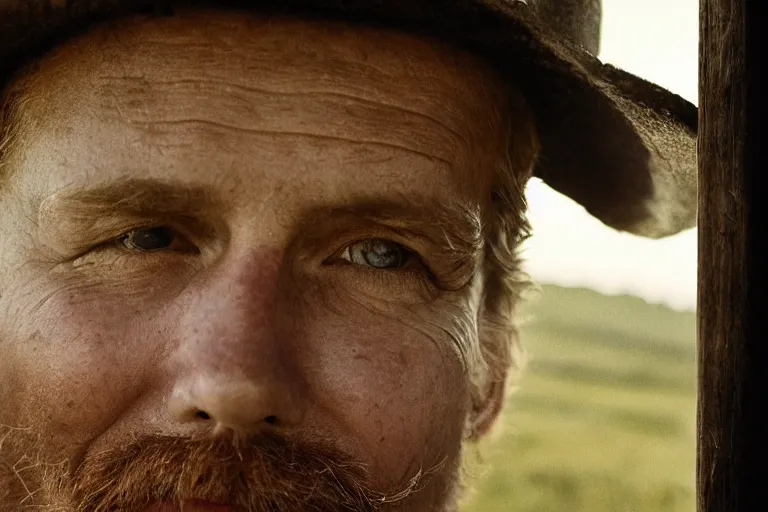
(733,254)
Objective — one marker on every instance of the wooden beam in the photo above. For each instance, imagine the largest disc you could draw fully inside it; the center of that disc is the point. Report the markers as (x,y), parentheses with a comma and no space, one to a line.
(733,253)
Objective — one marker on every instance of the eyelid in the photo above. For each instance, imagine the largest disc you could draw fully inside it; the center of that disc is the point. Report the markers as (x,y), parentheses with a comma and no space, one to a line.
(410,253)
(184,239)
(78,234)
(360,239)
(418,273)
(442,269)
(114,242)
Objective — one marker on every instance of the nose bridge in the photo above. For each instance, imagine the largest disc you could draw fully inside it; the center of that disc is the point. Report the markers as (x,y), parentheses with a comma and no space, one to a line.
(234,367)
(235,302)
(229,317)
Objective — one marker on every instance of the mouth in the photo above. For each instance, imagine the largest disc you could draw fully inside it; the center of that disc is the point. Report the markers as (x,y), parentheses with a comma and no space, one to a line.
(189,506)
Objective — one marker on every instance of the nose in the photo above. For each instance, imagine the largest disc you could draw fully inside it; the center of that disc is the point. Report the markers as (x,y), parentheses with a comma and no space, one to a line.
(235,366)
(238,404)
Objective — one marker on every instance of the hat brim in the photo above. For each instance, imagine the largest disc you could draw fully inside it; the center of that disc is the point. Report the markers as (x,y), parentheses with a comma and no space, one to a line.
(620,146)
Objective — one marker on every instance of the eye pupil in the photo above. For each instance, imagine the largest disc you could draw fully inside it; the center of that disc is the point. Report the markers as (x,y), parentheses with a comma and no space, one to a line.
(382,254)
(151,239)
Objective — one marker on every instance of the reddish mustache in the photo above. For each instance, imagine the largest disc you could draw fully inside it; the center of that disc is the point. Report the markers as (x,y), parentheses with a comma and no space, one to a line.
(260,474)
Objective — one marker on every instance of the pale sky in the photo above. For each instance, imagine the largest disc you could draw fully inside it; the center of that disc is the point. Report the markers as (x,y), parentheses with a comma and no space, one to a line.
(657,40)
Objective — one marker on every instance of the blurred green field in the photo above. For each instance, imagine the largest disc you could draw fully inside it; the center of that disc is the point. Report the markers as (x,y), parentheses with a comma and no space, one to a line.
(605,416)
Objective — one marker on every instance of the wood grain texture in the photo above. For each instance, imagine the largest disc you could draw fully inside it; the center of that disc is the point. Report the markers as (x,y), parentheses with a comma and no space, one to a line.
(732,326)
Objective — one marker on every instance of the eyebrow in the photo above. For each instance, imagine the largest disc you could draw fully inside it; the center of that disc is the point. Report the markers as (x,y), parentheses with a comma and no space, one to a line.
(449,223)
(136,196)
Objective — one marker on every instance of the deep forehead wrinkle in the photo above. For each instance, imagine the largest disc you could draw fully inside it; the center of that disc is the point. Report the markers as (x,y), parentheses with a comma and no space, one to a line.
(291,57)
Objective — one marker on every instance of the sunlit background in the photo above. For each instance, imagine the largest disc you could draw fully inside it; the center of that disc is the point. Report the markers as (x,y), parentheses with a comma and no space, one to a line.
(657,40)
(604,418)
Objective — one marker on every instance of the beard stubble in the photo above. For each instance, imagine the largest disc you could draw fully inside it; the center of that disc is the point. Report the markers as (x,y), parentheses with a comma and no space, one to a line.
(263,473)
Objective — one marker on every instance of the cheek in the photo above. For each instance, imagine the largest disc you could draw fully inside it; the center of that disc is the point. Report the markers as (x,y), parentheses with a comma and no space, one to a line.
(80,364)
(399,389)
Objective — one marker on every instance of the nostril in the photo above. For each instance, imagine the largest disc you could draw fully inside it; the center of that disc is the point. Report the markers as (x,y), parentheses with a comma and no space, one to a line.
(271,419)
(203,415)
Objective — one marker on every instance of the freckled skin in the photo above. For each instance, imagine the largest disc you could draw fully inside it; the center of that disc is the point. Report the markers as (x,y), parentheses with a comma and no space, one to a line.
(277,118)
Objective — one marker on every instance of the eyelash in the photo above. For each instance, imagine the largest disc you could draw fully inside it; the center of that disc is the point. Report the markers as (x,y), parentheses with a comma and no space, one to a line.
(412,254)
(425,271)
(113,245)
(419,279)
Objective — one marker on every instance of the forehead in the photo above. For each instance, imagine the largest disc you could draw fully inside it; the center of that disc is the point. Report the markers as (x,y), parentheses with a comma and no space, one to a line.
(207,81)
(247,41)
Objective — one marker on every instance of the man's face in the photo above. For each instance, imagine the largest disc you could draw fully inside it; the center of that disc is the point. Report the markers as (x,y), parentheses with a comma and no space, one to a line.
(242,263)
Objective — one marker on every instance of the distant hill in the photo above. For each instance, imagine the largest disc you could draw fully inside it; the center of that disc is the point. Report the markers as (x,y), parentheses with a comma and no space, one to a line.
(604,420)
(582,308)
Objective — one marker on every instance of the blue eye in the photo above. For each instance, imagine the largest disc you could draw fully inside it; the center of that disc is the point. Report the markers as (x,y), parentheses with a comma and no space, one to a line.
(378,253)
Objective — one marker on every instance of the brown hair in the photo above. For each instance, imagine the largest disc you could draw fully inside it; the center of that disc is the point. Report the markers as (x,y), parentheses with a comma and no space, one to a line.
(502,356)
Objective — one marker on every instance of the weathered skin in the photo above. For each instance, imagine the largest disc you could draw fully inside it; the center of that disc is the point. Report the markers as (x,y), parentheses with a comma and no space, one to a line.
(283,143)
